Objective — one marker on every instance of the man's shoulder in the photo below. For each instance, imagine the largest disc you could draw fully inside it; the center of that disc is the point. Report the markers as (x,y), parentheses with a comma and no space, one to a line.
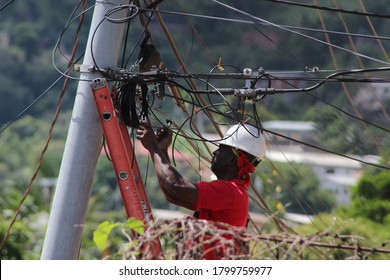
(232,184)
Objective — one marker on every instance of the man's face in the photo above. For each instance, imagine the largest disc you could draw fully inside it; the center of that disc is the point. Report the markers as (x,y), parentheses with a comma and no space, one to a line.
(222,158)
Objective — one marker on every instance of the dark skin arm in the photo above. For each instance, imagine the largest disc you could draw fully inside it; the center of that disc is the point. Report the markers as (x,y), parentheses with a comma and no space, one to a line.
(175,187)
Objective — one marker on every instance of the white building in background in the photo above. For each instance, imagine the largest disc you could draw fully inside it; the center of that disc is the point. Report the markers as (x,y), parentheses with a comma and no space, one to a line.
(335,173)
(298,130)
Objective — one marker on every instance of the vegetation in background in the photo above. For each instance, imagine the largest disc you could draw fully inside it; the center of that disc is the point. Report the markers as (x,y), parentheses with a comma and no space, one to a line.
(29,30)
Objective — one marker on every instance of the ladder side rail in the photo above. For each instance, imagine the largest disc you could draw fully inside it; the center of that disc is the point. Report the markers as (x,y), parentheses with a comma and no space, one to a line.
(116,148)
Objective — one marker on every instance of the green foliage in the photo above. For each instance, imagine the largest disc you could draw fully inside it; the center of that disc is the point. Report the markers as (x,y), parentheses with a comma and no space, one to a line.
(358,231)
(102,234)
(371,197)
(376,209)
(25,238)
(338,133)
(33,28)
(22,143)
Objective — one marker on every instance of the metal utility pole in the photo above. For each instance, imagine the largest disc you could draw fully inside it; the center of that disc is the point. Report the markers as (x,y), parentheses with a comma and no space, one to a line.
(82,148)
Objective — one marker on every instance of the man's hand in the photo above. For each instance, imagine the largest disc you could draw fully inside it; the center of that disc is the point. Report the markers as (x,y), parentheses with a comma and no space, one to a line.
(176,188)
(164,138)
(146,135)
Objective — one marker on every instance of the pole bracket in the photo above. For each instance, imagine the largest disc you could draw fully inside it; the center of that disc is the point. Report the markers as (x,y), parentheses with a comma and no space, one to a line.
(83,68)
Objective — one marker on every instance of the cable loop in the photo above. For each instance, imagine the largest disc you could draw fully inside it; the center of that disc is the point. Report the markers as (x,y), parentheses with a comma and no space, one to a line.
(133,12)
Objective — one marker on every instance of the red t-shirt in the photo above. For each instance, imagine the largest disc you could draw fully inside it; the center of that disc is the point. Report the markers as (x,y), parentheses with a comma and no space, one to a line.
(223,201)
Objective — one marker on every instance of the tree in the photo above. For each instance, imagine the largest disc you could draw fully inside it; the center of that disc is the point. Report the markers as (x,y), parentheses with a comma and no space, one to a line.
(371,196)
(338,133)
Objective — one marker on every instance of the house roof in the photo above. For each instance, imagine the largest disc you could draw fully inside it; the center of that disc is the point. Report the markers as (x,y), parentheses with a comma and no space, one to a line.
(313,158)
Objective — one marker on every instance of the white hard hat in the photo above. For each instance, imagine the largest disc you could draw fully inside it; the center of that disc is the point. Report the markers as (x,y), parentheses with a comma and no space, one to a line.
(246,138)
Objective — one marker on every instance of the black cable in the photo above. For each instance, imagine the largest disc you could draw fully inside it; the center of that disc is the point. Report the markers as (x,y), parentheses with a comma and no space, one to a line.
(103,73)
(357,35)
(131,7)
(125,45)
(5,5)
(133,14)
(334,75)
(341,110)
(278,46)
(338,10)
(298,33)
(291,139)
(128,103)
(348,114)
(326,150)
(57,46)
(31,104)
(53,84)
(207,81)
(154,4)
(137,44)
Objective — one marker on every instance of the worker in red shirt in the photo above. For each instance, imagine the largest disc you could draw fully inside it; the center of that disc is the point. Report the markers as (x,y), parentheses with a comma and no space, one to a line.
(223,200)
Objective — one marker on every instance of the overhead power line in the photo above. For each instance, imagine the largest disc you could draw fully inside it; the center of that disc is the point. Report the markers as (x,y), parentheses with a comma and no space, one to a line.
(338,10)
(251,22)
(6,5)
(328,151)
(298,33)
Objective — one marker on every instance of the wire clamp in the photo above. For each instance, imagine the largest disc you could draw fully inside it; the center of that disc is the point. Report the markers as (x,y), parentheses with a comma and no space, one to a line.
(82,68)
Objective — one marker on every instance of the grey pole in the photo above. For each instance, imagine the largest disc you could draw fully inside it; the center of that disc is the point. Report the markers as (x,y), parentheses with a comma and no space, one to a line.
(82,148)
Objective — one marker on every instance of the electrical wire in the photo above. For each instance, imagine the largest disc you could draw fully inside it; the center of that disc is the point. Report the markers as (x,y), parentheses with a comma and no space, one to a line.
(338,10)
(345,88)
(289,138)
(251,22)
(374,31)
(328,151)
(341,110)
(6,5)
(57,45)
(204,108)
(49,137)
(63,74)
(31,105)
(298,33)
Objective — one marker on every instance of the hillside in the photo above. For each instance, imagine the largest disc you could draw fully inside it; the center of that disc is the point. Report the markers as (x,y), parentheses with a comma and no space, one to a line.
(290,45)
(29,31)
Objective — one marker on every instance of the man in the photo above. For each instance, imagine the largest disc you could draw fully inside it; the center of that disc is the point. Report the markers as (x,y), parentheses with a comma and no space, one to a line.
(223,200)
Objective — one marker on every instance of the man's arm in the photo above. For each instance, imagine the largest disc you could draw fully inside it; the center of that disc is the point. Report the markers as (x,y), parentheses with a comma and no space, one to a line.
(176,188)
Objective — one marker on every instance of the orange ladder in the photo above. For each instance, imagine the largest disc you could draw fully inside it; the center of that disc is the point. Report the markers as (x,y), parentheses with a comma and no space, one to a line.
(124,162)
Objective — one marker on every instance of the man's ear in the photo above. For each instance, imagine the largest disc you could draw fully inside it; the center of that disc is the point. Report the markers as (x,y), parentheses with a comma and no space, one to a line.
(233,159)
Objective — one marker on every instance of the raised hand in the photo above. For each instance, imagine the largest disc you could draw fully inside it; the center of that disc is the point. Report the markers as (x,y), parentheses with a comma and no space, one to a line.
(146,135)
(164,138)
